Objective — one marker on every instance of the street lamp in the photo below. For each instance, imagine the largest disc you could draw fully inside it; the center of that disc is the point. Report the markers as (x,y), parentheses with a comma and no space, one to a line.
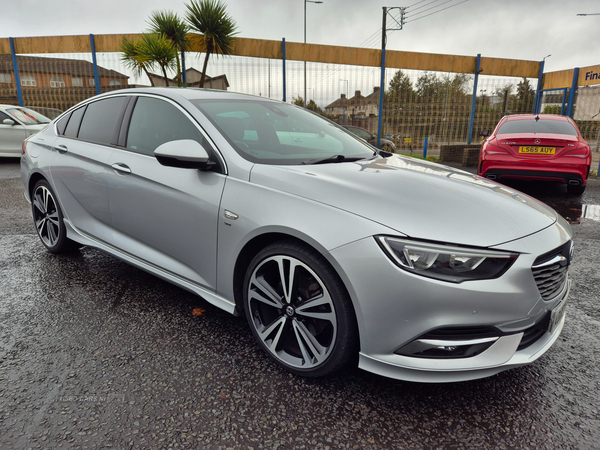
(305,2)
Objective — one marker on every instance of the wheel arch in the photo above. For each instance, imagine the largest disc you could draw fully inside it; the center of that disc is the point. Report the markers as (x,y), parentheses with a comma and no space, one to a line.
(257,243)
(33,180)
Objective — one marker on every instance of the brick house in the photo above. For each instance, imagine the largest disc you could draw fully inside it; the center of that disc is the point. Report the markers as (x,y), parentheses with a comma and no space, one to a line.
(41,72)
(54,82)
(357,107)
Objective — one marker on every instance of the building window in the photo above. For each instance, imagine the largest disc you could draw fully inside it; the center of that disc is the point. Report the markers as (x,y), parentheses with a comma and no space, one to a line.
(114,83)
(5,78)
(28,80)
(77,81)
(91,82)
(57,82)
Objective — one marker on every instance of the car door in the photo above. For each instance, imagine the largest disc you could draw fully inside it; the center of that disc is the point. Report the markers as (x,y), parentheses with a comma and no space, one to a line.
(11,136)
(166,216)
(79,166)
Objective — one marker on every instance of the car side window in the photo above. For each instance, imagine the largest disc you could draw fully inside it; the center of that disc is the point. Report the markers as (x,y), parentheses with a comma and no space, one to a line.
(72,127)
(61,125)
(4,116)
(101,119)
(154,122)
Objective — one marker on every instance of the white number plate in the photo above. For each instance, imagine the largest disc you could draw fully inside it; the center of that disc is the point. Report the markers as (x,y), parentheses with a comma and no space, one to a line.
(557,315)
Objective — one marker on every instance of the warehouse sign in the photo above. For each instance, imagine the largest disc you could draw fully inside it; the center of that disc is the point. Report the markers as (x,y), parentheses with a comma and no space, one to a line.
(592,76)
(589,76)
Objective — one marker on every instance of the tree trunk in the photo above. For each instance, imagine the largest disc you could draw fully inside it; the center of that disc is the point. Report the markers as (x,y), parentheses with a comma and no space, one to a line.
(209,48)
(165,75)
(148,75)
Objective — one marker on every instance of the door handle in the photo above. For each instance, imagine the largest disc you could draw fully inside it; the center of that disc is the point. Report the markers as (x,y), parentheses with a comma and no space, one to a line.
(61,148)
(120,167)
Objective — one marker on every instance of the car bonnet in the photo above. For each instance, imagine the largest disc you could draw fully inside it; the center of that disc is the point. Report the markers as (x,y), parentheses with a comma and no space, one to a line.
(420,199)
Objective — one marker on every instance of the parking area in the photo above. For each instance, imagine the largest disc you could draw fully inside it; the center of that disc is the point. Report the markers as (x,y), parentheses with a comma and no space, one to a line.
(97,354)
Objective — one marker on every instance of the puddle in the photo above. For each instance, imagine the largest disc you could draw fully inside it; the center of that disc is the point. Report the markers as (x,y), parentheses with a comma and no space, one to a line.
(574,213)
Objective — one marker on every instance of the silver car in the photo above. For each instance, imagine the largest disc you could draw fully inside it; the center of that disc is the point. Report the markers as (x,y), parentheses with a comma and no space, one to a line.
(333,252)
(16,124)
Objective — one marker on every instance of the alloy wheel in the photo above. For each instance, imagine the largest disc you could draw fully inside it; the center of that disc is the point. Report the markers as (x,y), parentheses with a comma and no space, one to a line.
(46,216)
(292,312)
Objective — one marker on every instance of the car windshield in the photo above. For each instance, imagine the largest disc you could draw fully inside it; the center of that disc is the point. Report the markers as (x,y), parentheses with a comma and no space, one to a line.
(537,126)
(273,133)
(27,116)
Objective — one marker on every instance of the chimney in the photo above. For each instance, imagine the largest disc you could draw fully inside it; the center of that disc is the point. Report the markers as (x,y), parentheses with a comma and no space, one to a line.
(357,93)
(343,95)
(376,89)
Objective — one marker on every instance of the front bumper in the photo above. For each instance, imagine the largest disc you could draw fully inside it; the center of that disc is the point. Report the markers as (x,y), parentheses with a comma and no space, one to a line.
(395,308)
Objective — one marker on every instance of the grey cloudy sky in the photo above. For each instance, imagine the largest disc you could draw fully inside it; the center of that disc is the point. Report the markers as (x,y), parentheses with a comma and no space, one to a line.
(518,29)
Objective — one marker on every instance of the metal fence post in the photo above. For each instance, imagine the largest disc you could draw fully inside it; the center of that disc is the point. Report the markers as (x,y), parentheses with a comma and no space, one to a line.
(283,60)
(96,77)
(474,101)
(381,98)
(16,71)
(425,148)
(572,92)
(538,91)
(183,75)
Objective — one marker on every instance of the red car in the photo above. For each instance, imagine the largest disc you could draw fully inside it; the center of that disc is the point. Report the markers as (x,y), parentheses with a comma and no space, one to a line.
(537,147)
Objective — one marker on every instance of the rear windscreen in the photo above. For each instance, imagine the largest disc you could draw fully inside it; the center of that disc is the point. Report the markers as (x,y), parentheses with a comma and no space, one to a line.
(537,126)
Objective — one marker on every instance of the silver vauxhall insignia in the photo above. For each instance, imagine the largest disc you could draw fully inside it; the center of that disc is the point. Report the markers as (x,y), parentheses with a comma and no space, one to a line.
(329,247)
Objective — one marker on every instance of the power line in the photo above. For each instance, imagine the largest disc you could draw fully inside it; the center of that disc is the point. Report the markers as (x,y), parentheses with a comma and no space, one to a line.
(435,12)
(415,4)
(427,4)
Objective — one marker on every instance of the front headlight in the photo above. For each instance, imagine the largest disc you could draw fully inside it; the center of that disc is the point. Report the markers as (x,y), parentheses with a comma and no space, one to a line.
(446,262)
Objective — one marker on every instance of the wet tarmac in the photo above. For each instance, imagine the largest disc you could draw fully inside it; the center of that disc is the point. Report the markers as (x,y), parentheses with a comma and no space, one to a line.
(97,354)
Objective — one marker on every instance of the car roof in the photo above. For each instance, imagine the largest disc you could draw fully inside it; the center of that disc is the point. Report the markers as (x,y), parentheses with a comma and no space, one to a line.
(189,93)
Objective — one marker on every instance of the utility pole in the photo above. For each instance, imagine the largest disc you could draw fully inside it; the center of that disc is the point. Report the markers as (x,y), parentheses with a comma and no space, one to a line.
(384,31)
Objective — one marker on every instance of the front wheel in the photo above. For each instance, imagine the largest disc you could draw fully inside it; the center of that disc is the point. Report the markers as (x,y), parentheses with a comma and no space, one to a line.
(299,310)
(48,219)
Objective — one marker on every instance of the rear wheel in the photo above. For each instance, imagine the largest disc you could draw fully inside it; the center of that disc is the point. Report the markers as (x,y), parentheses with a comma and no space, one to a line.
(299,310)
(48,219)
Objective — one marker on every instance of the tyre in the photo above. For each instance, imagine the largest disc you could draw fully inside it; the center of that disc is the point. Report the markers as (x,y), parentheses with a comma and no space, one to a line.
(48,219)
(575,190)
(299,311)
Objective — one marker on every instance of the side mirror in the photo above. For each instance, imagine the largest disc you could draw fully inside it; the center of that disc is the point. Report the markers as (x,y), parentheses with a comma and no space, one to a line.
(185,154)
(8,122)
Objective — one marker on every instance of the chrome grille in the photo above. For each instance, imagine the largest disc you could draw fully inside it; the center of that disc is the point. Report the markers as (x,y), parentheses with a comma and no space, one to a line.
(550,279)
(551,271)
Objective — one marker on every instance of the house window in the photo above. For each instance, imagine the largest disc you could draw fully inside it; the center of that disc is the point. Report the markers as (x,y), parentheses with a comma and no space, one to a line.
(91,82)
(5,78)
(77,81)
(28,80)
(114,83)
(57,82)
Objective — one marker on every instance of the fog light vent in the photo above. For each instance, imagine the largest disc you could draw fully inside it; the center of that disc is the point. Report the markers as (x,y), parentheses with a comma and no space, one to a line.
(451,343)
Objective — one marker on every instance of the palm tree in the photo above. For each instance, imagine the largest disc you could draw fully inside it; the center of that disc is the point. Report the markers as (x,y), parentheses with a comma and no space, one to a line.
(151,50)
(158,50)
(210,18)
(175,30)
(134,60)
